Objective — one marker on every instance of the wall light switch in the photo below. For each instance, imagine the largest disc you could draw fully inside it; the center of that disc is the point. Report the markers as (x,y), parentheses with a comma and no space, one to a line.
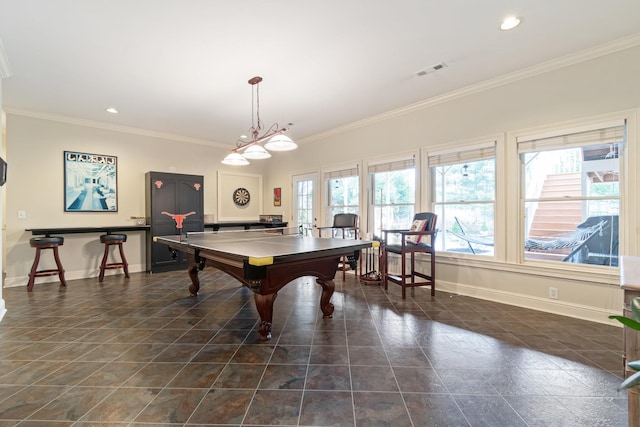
(22,215)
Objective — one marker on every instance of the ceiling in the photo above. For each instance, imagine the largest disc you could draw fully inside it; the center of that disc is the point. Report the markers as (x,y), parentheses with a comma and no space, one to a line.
(180,68)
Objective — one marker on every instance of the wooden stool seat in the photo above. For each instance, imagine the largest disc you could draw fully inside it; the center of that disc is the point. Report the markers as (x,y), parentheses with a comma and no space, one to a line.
(41,243)
(109,240)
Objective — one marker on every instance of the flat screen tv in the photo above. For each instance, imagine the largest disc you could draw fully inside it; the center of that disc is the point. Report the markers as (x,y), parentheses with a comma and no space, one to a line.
(3,171)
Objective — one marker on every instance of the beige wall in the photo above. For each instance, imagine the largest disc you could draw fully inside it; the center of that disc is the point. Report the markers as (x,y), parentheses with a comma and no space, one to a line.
(35,185)
(599,86)
(603,85)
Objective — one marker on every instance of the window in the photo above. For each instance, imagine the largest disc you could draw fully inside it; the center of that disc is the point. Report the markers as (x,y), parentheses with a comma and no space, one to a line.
(571,196)
(464,185)
(393,197)
(343,192)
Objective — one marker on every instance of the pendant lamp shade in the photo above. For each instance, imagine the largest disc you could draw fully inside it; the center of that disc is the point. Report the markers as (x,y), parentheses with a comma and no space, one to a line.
(256,152)
(235,159)
(280,143)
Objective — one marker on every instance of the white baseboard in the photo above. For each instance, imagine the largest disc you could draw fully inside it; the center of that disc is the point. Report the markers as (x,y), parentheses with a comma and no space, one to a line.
(562,308)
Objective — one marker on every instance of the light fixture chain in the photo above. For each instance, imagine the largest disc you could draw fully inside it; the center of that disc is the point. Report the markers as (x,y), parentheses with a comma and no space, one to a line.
(253,104)
(256,123)
(258,108)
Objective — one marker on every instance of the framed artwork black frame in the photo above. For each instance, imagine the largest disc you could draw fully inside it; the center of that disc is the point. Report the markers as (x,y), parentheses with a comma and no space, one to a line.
(90,182)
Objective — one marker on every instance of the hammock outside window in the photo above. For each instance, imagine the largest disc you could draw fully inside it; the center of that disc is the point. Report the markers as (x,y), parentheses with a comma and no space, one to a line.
(547,243)
(564,241)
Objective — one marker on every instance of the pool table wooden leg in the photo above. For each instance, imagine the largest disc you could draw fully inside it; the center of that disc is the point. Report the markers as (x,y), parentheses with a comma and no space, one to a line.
(264,304)
(328,286)
(195,280)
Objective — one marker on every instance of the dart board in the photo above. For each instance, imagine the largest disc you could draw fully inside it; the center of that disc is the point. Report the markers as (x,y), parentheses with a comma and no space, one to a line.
(241,196)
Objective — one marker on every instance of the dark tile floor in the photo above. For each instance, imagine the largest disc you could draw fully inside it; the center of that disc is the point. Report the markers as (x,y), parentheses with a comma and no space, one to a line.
(141,352)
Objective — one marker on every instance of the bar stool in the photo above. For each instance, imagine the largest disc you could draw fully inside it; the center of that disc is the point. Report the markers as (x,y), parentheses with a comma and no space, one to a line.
(41,243)
(109,240)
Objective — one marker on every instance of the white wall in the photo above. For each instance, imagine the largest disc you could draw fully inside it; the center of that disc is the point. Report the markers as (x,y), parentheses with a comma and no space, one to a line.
(594,87)
(35,184)
(598,86)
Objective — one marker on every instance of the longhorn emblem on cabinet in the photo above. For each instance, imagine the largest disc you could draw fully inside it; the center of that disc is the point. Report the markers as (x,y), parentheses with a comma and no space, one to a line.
(178,218)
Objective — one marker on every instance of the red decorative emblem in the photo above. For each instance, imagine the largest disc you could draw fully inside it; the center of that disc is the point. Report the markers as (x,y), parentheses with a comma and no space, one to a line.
(197,186)
(178,218)
(158,183)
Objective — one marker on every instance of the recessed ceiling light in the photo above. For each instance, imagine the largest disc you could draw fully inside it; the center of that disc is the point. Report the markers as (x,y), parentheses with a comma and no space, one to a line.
(112,110)
(510,23)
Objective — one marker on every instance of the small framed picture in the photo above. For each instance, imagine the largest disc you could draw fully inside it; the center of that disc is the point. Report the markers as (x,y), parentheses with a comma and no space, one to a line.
(277,196)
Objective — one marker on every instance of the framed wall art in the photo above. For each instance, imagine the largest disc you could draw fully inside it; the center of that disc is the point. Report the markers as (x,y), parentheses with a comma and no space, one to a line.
(90,182)
(277,196)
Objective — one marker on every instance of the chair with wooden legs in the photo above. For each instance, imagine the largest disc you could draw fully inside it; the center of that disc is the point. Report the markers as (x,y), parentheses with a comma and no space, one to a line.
(419,239)
(345,225)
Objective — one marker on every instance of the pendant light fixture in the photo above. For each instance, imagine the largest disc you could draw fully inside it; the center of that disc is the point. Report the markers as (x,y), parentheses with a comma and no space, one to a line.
(275,140)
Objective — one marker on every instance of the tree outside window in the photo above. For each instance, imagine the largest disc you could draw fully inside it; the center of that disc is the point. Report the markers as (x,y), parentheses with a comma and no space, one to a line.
(393,196)
(344,195)
(464,199)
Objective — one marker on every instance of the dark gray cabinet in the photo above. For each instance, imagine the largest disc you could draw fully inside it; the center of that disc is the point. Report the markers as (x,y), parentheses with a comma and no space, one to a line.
(174,205)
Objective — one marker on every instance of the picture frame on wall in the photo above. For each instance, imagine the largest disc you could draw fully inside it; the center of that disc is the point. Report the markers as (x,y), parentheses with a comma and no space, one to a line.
(277,196)
(90,182)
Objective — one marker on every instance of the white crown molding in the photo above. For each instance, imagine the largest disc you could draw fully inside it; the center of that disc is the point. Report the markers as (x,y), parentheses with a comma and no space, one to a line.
(554,64)
(5,67)
(115,128)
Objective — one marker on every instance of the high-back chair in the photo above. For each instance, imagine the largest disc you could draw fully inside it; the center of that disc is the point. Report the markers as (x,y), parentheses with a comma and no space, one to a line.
(345,225)
(419,239)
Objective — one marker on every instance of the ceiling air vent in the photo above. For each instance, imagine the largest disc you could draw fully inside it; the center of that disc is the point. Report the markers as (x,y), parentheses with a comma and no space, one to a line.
(431,69)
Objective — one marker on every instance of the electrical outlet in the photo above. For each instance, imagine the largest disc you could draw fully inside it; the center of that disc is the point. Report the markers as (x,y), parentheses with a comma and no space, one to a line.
(22,215)
(553,293)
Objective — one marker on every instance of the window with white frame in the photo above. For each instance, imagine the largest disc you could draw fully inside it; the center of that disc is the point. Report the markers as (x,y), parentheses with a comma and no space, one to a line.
(393,195)
(464,188)
(570,195)
(343,192)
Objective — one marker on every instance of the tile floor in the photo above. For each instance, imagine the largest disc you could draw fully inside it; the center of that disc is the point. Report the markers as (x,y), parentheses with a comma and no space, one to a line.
(141,352)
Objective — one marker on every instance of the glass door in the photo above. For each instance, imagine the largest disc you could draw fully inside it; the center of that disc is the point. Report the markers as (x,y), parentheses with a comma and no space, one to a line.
(305,203)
